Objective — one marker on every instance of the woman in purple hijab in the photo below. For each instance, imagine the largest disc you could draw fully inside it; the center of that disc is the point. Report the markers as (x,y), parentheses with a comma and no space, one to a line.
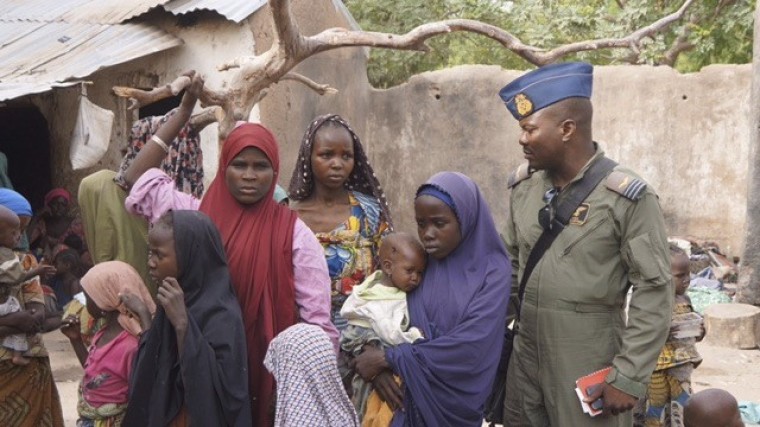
(460,306)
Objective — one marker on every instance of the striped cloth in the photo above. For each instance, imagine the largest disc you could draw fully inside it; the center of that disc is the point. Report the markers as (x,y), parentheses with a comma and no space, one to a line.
(309,389)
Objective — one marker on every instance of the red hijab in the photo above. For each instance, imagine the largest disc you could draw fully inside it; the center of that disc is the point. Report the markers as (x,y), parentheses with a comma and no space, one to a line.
(258,240)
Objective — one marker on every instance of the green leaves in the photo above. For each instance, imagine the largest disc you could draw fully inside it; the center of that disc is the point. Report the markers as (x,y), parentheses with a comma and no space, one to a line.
(715,31)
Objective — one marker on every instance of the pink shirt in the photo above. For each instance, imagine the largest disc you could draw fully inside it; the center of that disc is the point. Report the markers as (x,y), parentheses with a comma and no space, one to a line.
(107,370)
(154,194)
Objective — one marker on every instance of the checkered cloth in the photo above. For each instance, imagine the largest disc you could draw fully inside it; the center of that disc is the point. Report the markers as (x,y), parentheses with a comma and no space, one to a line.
(309,388)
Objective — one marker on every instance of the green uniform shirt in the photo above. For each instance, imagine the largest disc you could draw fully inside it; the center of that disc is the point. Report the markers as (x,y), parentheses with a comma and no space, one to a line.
(573,321)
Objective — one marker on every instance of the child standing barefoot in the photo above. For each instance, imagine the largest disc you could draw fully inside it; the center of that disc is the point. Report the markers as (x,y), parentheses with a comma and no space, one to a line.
(670,386)
(192,365)
(103,392)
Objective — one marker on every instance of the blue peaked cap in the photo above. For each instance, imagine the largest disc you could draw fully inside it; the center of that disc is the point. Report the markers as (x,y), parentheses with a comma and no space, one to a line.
(547,85)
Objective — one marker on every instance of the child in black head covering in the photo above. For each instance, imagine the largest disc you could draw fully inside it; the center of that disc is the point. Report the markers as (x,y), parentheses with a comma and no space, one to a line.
(192,363)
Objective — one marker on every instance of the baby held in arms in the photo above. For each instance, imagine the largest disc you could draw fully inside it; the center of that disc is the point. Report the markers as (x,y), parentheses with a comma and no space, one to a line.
(376,309)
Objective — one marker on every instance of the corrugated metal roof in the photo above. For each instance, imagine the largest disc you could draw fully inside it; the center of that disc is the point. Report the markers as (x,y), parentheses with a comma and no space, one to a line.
(117,11)
(234,10)
(34,56)
(49,43)
(91,11)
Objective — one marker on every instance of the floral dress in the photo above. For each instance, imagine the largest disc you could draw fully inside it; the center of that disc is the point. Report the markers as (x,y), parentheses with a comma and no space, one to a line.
(351,250)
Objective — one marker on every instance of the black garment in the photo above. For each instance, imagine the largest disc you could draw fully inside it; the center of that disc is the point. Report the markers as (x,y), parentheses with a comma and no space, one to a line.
(210,379)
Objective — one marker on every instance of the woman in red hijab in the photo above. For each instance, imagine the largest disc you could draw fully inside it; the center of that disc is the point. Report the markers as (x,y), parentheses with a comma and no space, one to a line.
(277,266)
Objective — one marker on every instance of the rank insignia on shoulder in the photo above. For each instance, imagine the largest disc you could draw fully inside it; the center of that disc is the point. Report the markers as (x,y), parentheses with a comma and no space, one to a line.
(520,174)
(626,185)
(580,215)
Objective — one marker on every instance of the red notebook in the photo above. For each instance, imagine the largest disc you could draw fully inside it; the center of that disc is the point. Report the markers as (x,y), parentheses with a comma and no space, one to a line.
(584,386)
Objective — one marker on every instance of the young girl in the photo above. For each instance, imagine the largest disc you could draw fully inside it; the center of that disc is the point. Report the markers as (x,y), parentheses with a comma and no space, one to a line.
(460,307)
(103,392)
(191,368)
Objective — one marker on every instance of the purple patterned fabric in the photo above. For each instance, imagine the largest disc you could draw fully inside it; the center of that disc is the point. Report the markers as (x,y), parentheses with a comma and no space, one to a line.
(460,306)
(309,388)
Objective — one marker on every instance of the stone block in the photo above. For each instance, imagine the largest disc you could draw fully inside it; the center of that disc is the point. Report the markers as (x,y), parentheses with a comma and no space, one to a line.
(733,325)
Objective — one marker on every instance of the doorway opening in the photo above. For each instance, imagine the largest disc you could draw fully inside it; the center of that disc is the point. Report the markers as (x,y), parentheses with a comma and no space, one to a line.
(25,141)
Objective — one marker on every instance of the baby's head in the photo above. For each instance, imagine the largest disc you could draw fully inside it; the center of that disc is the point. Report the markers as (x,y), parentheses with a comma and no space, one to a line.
(679,269)
(402,260)
(712,408)
(10,228)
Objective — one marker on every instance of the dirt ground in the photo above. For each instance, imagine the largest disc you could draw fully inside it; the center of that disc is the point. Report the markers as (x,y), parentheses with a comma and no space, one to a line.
(737,371)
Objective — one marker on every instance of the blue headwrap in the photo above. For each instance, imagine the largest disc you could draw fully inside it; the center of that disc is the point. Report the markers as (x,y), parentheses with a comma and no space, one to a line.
(20,206)
(15,202)
(431,190)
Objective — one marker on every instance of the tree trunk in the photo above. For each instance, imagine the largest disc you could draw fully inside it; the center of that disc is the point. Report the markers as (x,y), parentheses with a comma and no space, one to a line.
(749,275)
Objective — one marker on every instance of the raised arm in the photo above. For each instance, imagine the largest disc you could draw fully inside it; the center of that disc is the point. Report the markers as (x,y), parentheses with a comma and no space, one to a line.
(153,153)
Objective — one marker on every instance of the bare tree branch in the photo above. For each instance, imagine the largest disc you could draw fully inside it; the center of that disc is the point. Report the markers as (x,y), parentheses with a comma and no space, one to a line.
(206,117)
(140,98)
(680,45)
(254,74)
(415,39)
(322,89)
(631,41)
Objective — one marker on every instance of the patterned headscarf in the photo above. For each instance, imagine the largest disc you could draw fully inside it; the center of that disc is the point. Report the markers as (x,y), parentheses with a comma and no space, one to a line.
(309,389)
(362,178)
(184,163)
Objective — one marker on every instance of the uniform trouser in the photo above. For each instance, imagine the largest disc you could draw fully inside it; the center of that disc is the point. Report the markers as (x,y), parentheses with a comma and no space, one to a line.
(525,406)
(544,395)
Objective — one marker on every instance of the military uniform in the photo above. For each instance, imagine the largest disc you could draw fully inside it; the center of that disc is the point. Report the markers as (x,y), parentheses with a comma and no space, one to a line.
(572,319)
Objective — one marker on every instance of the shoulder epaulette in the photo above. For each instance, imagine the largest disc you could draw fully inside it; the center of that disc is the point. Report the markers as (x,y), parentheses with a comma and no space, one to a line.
(626,185)
(520,174)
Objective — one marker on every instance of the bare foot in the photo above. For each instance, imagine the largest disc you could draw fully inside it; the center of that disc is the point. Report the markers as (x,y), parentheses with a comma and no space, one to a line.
(19,359)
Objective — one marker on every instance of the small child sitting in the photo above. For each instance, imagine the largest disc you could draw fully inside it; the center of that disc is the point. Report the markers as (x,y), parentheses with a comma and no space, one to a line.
(670,386)
(12,275)
(376,310)
(712,408)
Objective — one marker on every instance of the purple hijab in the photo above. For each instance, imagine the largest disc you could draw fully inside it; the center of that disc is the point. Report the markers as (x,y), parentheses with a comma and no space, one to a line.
(460,307)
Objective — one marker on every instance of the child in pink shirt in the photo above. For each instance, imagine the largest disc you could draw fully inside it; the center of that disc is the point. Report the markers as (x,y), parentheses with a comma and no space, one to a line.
(104,390)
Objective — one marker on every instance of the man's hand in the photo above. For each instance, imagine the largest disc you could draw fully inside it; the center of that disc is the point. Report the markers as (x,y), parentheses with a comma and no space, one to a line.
(615,401)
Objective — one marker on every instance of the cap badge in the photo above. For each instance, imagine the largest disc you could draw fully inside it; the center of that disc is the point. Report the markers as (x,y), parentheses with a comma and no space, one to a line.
(523,104)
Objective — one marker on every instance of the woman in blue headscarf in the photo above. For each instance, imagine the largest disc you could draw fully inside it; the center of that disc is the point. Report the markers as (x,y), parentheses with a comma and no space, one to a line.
(460,306)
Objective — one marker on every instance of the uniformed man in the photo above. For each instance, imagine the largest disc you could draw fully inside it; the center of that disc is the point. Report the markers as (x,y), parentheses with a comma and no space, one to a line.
(572,320)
